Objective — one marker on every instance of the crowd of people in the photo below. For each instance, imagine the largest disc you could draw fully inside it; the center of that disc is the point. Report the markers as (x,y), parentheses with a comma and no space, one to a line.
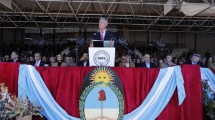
(139,57)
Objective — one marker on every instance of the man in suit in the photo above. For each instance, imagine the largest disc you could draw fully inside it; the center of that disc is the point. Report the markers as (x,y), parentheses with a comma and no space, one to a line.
(84,60)
(103,33)
(169,62)
(38,61)
(195,60)
(15,57)
(147,62)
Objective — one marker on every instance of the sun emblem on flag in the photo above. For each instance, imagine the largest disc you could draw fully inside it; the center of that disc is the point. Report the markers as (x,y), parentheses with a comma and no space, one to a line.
(102,74)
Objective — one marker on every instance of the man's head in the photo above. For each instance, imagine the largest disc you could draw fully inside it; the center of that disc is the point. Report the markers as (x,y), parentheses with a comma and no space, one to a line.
(14,55)
(142,59)
(37,56)
(7,57)
(103,22)
(169,58)
(195,58)
(85,56)
(59,57)
(147,57)
(52,59)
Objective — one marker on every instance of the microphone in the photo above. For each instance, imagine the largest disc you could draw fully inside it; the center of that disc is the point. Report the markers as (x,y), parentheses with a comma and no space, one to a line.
(79,41)
(123,41)
(91,36)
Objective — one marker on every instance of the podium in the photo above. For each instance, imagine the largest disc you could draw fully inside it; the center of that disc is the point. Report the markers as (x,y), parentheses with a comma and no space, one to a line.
(102,56)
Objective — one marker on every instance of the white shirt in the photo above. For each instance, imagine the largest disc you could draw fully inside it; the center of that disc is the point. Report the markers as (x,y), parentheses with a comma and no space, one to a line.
(37,63)
(85,63)
(147,64)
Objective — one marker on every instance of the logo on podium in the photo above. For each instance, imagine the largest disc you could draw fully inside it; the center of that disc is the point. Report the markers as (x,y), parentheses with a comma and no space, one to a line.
(101,58)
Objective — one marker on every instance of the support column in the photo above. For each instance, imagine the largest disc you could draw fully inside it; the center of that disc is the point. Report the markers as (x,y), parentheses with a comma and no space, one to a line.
(85,33)
(1,37)
(177,40)
(195,41)
(23,35)
(41,34)
(79,34)
(148,37)
(15,33)
(53,36)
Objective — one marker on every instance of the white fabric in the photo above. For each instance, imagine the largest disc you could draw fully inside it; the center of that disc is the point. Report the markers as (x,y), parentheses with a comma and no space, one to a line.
(198,9)
(160,88)
(6,3)
(168,6)
(34,80)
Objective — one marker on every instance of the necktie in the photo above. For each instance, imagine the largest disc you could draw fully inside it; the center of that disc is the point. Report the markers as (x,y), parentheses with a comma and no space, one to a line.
(102,35)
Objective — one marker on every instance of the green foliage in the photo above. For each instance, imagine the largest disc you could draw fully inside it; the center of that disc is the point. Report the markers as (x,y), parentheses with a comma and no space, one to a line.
(209,100)
(11,106)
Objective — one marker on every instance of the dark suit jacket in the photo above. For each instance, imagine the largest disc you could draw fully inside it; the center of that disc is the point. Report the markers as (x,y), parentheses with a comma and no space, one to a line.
(19,61)
(199,63)
(81,63)
(152,65)
(108,36)
(41,63)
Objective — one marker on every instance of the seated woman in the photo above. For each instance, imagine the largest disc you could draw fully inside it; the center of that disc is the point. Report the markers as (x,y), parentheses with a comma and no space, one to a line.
(209,63)
(126,61)
(60,61)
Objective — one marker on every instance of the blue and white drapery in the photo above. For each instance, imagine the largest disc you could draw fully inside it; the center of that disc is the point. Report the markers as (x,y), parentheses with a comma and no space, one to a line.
(208,76)
(160,94)
(32,85)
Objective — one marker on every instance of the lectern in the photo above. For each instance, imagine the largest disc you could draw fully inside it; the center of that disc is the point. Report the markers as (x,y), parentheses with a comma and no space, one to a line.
(102,54)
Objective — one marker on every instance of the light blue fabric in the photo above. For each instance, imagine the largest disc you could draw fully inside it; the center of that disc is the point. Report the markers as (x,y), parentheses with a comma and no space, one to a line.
(152,112)
(209,76)
(26,87)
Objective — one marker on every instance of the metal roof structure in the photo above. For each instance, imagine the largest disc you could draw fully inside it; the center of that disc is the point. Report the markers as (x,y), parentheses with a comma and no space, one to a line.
(146,15)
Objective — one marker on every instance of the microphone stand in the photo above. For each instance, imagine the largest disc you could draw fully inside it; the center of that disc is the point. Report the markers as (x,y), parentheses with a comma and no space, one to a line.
(128,49)
(76,50)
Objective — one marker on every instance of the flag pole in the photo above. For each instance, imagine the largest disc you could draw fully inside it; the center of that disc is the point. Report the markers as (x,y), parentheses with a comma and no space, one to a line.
(101,109)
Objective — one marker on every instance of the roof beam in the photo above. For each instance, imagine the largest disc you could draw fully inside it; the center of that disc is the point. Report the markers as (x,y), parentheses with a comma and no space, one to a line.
(73,11)
(42,7)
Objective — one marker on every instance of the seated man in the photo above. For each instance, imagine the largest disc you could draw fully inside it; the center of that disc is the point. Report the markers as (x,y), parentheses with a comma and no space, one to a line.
(169,62)
(15,57)
(84,61)
(147,62)
(195,60)
(38,61)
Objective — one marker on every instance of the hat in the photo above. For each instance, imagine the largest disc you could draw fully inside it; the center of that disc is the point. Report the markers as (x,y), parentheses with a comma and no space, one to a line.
(197,55)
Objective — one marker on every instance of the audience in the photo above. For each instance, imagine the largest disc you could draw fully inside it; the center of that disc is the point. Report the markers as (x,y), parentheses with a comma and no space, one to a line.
(69,61)
(24,53)
(210,63)
(84,61)
(195,59)
(60,61)
(169,62)
(15,57)
(38,62)
(147,63)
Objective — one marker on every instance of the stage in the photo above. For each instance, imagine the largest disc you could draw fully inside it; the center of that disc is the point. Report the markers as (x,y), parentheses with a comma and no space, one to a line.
(64,83)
